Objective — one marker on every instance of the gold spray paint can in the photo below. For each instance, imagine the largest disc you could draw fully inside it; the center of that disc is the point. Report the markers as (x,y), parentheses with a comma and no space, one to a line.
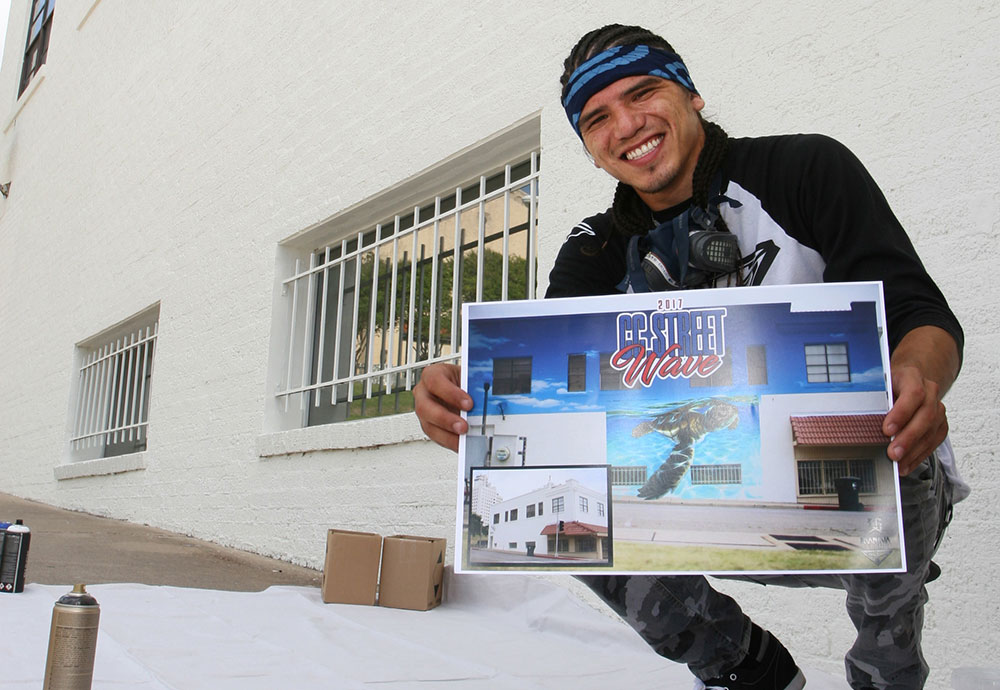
(72,641)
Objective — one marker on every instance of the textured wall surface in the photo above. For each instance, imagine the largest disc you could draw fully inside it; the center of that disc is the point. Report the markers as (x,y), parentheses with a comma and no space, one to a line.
(167,148)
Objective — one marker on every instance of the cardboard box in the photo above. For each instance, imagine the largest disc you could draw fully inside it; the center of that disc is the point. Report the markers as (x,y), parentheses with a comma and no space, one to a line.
(412,572)
(350,573)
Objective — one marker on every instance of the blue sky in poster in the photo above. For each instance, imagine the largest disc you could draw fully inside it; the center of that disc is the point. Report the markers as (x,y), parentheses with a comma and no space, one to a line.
(549,340)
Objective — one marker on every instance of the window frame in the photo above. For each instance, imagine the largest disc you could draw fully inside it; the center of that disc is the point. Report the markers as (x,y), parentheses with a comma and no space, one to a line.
(36,46)
(511,375)
(822,474)
(820,371)
(292,365)
(110,412)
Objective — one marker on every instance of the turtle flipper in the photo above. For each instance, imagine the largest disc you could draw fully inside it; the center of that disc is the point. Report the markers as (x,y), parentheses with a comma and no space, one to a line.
(642,429)
(670,473)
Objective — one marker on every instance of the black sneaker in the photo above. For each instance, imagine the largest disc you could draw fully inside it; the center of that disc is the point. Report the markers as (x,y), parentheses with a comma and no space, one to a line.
(770,668)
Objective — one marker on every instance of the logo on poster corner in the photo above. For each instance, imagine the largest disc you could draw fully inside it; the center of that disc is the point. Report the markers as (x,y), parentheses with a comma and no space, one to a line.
(876,545)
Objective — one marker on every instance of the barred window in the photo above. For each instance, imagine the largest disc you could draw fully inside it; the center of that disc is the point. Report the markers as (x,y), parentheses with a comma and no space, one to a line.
(37,46)
(367,313)
(628,475)
(827,363)
(819,477)
(113,388)
(717,474)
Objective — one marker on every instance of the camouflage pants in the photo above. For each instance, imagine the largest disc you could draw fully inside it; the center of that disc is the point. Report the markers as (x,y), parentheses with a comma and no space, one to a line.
(684,619)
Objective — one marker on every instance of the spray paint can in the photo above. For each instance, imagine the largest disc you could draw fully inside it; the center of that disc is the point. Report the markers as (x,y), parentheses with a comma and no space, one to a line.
(14,557)
(72,641)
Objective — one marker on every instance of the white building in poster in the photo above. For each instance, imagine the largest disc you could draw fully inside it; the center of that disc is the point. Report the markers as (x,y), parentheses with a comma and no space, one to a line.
(484,497)
(529,523)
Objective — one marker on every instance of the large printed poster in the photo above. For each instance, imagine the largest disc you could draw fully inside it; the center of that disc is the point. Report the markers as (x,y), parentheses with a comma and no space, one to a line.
(733,431)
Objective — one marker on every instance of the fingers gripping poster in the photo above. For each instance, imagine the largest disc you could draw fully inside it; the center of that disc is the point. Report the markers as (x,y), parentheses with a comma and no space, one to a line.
(709,431)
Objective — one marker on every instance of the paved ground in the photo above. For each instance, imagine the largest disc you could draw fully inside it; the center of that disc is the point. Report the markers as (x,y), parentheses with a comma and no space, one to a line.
(69,547)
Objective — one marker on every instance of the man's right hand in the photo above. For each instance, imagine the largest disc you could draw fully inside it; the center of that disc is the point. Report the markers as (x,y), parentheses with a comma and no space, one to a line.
(437,400)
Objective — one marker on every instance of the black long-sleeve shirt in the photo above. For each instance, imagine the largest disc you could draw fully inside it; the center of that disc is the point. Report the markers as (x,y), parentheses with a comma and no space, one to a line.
(809,213)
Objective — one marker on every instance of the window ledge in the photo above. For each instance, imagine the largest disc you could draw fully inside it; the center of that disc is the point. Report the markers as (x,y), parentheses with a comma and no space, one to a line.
(94,468)
(25,97)
(356,435)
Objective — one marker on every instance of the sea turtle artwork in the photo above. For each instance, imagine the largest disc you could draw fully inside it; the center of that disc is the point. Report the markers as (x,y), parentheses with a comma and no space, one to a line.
(685,426)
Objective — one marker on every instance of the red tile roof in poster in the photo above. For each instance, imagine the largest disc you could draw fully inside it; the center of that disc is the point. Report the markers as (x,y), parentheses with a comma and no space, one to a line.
(575,529)
(839,430)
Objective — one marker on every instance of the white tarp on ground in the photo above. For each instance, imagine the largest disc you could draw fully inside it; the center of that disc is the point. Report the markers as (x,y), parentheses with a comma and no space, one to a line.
(510,632)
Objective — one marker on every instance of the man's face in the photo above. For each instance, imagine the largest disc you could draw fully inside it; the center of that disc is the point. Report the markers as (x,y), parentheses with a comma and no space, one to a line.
(645,132)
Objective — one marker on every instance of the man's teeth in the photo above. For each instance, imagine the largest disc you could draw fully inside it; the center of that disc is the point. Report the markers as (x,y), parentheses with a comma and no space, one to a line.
(644,149)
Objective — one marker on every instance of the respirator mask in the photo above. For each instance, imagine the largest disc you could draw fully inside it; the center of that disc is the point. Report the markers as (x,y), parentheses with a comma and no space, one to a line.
(686,252)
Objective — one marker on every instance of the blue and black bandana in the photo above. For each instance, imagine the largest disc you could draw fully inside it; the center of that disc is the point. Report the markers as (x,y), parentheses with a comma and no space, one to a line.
(616,63)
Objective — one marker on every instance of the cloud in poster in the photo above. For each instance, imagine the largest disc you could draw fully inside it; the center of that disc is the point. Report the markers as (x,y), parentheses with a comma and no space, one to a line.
(873,375)
(482,366)
(532,402)
(478,340)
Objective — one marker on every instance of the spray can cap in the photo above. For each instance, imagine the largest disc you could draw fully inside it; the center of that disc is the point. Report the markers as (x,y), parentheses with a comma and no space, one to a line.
(78,597)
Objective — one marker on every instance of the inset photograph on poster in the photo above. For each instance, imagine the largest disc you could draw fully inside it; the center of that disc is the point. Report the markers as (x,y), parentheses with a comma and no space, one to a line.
(733,431)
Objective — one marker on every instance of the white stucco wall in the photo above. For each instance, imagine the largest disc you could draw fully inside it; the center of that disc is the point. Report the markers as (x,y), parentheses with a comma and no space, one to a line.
(167,148)
(585,443)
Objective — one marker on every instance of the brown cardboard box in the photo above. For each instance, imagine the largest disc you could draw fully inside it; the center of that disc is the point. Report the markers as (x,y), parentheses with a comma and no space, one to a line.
(412,572)
(350,574)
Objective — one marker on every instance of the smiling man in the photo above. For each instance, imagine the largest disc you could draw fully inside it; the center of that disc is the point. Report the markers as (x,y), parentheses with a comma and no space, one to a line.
(694,208)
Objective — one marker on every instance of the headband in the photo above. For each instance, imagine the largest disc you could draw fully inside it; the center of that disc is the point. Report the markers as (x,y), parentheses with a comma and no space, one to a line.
(616,63)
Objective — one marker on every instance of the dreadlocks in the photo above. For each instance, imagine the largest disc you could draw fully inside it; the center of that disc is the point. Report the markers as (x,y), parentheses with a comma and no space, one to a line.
(630,214)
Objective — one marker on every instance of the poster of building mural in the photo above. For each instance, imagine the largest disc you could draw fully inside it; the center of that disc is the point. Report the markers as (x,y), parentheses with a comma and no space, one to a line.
(712,431)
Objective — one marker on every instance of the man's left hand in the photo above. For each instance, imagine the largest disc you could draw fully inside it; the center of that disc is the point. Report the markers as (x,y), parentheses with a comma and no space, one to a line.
(924,365)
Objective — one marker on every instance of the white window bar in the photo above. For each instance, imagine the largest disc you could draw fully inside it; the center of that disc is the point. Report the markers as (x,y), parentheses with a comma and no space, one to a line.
(390,358)
(532,222)
(307,341)
(481,240)
(400,333)
(112,403)
(373,308)
(437,247)
(456,264)
(291,326)
(357,309)
(337,328)
(506,232)
(409,351)
(322,322)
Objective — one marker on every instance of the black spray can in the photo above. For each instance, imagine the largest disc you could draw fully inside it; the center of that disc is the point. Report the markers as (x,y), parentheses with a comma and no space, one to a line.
(14,557)
(72,641)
